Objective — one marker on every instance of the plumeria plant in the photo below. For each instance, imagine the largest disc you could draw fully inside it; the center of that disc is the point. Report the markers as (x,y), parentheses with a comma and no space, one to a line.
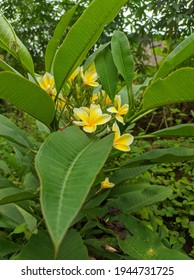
(73,200)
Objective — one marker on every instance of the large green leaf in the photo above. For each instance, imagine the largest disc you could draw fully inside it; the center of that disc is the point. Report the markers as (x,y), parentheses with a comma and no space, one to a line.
(13,133)
(122,56)
(107,72)
(11,43)
(140,196)
(7,246)
(40,247)
(55,41)
(27,96)
(82,36)
(143,244)
(181,130)
(176,88)
(184,50)
(161,156)
(67,164)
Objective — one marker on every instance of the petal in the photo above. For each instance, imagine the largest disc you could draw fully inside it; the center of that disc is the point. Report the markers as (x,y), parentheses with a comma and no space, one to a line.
(121,147)
(79,123)
(124,109)
(89,128)
(81,114)
(92,84)
(117,101)
(104,118)
(125,139)
(119,118)
(115,129)
(95,112)
(112,110)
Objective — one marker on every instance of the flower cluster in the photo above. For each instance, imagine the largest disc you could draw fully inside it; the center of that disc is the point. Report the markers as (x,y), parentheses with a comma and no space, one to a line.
(89,108)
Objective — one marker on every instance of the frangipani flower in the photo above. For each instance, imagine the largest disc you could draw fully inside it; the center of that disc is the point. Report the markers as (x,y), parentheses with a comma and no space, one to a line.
(105,185)
(46,82)
(121,142)
(89,118)
(118,109)
(90,76)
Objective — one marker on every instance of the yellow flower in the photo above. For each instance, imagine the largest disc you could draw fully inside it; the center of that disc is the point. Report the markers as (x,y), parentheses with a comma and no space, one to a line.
(118,109)
(90,76)
(89,118)
(105,185)
(121,142)
(47,82)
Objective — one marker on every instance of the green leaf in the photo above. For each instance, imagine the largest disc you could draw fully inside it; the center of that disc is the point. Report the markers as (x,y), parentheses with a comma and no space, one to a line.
(18,216)
(122,56)
(13,133)
(27,96)
(176,88)
(67,164)
(182,130)
(162,156)
(11,43)
(183,51)
(55,41)
(82,36)
(107,72)
(7,67)
(144,244)
(124,174)
(140,196)
(12,194)
(7,246)
(40,247)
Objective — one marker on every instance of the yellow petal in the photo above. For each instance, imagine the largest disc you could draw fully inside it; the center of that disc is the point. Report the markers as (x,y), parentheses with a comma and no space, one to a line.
(119,118)
(117,101)
(124,109)
(121,147)
(81,114)
(116,130)
(90,128)
(104,118)
(112,110)
(79,123)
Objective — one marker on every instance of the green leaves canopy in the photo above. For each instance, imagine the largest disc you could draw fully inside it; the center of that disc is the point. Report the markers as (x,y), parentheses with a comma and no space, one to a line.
(67,164)
(82,36)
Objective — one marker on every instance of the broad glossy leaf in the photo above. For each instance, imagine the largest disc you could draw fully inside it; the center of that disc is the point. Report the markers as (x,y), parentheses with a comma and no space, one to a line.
(55,41)
(27,96)
(176,88)
(11,43)
(144,195)
(107,72)
(40,247)
(182,130)
(13,133)
(67,164)
(161,156)
(122,56)
(82,36)
(184,50)
(141,243)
